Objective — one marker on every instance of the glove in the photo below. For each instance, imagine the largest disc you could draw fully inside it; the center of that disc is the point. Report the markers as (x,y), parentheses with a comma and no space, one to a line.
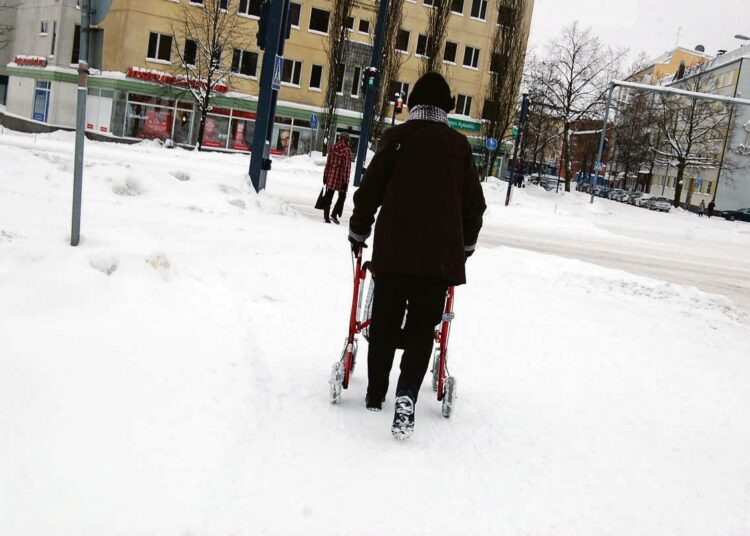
(356,245)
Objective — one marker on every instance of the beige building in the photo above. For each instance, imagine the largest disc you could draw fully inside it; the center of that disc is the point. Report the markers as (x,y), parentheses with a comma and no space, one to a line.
(138,46)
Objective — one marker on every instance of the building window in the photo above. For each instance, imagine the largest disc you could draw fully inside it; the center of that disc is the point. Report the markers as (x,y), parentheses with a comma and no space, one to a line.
(54,38)
(250,8)
(471,57)
(402,40)
(356,81)
(319,20)
(402,88)
(223,4)
(340,79)
(463,104)
(489,110)
(450,52)
(479,9)
(457,6)
(74,56)
(316,74)
(429,3)
(196,2)
(159,47)
(43,27)
(190,52)
(349,23)
(505,16)
(294,13)
(291,72)
(245,62)
(422,45)
(41,101)
(364,26)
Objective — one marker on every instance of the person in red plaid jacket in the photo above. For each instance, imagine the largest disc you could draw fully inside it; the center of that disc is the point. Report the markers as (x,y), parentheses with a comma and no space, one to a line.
(336,178)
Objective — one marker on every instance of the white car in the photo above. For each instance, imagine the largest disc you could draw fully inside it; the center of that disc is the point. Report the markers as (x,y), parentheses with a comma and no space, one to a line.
(661,204)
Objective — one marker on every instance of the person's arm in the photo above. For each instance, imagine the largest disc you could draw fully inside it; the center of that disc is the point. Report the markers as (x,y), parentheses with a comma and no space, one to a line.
(473,204)
(369,196)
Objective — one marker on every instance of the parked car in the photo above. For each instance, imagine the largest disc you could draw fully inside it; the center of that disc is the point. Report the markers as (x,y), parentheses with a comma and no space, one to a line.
(633,197)
(604,192)
(548,182)
(742,214)
(642,200)
(616,195)
(661,204)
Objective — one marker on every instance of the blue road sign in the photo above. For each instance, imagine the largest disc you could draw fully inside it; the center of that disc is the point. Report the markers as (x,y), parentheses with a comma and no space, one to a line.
(598,167)
(314,121)
(491,144)
(277,68)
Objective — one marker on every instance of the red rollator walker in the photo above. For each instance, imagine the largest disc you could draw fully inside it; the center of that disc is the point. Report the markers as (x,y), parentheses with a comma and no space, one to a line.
(359,322)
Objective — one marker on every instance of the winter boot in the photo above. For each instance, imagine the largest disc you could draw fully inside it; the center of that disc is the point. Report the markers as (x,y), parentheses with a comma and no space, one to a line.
(403,418)
(374,403)
(335,220)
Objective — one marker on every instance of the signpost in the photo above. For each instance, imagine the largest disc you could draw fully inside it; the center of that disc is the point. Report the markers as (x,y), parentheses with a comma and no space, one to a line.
(272,38)
(525,102)
(314,127)
(491,145)
(92,12)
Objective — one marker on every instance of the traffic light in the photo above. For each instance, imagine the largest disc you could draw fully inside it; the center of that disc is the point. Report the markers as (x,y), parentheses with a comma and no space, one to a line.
(399,103)
(369,78)
(265,13)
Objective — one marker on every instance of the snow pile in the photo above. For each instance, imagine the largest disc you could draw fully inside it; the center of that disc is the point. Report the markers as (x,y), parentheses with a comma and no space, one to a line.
(170,373)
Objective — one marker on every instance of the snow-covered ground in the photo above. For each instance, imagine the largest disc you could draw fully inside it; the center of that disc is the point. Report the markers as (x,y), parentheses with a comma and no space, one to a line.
(169,375)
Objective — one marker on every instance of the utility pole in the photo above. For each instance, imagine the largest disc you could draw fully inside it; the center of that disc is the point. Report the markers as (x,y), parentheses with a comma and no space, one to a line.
(600,152)
(521,123)
(273,31)
(371,90)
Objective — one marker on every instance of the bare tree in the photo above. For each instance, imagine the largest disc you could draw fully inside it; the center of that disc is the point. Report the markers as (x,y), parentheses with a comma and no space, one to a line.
(631,147)
(437,28)
(581,68)
(6,27)
(508,54)
(691,129)
(207,36)
(390,65)
(338,37)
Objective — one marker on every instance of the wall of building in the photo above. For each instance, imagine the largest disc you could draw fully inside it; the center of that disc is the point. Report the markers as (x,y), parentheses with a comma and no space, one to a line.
(733,190)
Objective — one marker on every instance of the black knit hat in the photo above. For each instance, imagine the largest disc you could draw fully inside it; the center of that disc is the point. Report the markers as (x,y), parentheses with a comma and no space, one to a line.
(432,90)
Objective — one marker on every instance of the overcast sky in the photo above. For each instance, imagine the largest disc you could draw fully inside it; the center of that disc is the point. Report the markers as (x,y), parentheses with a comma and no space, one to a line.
(651,26)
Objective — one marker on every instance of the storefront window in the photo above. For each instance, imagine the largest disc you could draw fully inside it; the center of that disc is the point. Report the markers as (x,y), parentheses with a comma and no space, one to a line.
(148,122)
(242,131)
(216,132)
(41,101)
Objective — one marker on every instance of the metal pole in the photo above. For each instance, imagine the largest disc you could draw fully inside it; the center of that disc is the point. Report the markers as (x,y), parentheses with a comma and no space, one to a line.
(521,123)
(83,70)
(370,92)
(393,119)
(602,136)
(260,162)
(666,177)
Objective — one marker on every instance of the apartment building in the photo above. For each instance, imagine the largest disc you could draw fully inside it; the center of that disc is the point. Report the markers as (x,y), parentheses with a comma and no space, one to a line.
(727,180)
(137,47)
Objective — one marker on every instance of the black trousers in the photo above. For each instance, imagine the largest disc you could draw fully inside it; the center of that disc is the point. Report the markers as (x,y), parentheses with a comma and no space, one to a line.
(338,208)
(426,299)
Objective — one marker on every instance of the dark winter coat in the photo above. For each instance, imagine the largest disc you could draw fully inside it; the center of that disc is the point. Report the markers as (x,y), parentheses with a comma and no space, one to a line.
(338,167)
(425,182)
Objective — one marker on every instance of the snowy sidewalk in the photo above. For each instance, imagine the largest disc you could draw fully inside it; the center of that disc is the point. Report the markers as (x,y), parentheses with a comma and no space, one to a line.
(168,377)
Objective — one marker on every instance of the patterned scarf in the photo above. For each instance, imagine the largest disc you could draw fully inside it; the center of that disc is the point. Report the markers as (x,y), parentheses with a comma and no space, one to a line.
(423,112)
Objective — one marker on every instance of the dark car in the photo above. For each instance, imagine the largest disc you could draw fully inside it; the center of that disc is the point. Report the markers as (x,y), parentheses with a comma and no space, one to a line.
(742,214)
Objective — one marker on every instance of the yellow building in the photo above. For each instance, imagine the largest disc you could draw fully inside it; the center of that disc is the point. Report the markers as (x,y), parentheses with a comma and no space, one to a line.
(136,50)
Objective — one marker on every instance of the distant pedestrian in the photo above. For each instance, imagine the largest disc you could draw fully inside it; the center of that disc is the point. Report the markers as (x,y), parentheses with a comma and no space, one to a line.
(336,178)
(711,206)
(701,208)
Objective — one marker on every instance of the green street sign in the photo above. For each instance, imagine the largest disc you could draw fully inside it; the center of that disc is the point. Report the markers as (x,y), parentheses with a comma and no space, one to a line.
(463,125)
(515,132)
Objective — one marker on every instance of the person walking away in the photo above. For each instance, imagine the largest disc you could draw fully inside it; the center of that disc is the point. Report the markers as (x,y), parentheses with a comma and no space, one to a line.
(336,178)
(701,208)
(711,206)
(425,183)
